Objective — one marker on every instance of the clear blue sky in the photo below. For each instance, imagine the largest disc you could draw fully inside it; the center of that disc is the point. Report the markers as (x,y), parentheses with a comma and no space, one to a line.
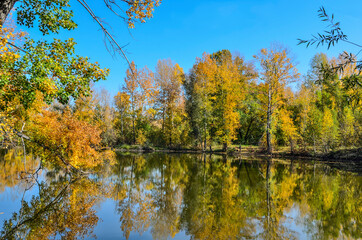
(183,30)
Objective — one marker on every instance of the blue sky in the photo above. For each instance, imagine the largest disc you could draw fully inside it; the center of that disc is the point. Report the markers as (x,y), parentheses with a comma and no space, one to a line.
(183,30)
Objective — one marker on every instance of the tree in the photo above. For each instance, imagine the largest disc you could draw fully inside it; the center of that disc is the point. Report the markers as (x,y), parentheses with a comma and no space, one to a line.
(277,70)
(122,103)
(135,101)
(288,128)
(43,71)
(54,64)
(329,130)
(229,86)
(251,117)
(169,78)
(54,15)
(215,91)
(131,87)
(198,87)
(42,11)
(62,139)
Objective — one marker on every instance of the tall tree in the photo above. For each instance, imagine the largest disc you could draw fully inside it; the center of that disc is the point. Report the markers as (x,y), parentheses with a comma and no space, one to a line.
(131,87)
(277,70)
(229,86)
(122,103)
(169,78)
(198,88)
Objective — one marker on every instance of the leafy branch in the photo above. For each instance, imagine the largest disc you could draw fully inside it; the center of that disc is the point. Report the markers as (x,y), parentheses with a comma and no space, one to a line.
(330,38)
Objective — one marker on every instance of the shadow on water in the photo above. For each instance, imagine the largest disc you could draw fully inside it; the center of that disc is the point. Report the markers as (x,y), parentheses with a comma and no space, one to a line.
(181,196)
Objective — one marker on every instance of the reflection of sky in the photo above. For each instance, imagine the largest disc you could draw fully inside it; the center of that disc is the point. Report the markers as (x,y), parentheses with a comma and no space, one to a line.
(109,227)
(294,222)
(10,199)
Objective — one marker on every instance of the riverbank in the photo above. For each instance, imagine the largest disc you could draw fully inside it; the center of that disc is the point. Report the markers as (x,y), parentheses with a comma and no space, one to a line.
(354,154)
(345,159)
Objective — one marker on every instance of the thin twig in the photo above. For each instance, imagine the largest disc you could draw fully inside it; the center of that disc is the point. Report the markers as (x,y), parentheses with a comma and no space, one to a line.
(105,31)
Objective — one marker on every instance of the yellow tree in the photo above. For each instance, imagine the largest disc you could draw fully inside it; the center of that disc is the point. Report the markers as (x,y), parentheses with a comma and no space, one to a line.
(136,99)
(122,106)
(288,128)
(11,113)
(329,130)
(169,78)
(228,93)
(131,87)
(277,70)
(199,87)
(309,117)
(62,139)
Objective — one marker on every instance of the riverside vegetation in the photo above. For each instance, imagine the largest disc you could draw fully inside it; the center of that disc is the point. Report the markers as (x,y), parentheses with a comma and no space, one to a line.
(224,99)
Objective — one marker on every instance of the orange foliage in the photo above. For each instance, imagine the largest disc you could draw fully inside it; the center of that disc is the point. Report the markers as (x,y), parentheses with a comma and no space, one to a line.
(65,140)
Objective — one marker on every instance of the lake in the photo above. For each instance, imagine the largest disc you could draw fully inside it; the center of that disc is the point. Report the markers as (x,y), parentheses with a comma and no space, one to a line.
(180,196)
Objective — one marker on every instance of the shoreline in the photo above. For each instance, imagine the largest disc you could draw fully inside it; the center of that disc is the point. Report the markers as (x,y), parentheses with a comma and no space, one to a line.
(345,154)
(347,159)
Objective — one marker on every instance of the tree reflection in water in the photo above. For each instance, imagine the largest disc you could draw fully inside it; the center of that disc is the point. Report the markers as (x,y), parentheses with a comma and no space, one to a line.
(202,197)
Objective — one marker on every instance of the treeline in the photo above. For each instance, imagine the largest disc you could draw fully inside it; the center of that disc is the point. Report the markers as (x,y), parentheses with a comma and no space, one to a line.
(226,100)
(222,100)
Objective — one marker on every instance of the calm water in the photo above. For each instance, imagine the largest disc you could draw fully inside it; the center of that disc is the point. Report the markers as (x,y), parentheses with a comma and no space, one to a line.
(160,196)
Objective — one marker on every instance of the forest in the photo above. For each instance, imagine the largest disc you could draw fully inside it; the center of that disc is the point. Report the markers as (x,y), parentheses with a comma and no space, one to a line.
(49,104)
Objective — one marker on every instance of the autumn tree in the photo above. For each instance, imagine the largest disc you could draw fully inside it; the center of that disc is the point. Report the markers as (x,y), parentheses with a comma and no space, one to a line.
(198,89)
(277,70)
(250,116)
(49,70)
(288,128)
(96,109)
(122,103)
(11,115)
(132,89)
(62,139)
(215,91)
(44,73)
(135,102)
(169,101)
(105,116)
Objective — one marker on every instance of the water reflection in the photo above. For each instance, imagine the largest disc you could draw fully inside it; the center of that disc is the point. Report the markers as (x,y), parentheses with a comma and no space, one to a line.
(192,196)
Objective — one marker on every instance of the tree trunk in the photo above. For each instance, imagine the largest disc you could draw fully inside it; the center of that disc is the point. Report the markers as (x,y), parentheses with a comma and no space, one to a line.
(268,125)
(122,128)
(5,8)
(134,130)
(247,131)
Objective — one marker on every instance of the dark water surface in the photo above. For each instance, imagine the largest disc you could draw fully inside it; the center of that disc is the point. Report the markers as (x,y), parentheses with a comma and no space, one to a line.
(160,196)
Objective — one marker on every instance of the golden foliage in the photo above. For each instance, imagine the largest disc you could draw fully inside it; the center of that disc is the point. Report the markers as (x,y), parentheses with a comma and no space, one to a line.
(66,140)
(141,10)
